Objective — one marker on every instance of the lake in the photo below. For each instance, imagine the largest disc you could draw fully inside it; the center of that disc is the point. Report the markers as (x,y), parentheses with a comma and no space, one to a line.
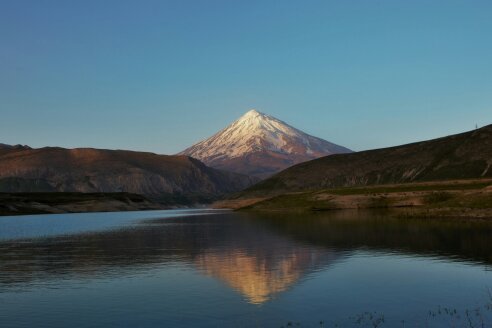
(211,268)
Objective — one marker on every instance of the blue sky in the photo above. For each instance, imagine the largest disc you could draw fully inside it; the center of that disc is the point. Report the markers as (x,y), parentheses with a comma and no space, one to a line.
(161,75)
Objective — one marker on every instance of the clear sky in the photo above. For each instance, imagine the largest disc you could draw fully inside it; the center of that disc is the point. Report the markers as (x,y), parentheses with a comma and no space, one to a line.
(161,75)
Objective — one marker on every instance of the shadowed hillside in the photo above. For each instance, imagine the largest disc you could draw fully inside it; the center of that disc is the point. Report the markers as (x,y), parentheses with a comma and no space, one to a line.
(461,156)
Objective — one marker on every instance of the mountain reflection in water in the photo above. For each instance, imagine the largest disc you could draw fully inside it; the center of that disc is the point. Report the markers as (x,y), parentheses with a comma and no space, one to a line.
(260,274)
(258,255)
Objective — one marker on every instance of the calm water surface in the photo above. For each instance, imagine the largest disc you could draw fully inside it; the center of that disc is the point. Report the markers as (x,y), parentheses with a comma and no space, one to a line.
(209,268)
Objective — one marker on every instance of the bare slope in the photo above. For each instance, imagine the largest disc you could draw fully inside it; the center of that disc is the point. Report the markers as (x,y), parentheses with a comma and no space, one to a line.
(97,170)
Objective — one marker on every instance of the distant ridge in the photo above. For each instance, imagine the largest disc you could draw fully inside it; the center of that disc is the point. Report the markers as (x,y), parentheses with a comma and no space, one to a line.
(11,147)
(461,156)
(260,145)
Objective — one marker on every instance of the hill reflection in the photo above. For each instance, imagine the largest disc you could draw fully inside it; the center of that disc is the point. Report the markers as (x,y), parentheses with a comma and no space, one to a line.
(453,239)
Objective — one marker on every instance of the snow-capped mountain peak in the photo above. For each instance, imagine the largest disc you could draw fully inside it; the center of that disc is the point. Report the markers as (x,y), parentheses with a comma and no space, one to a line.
(256,134)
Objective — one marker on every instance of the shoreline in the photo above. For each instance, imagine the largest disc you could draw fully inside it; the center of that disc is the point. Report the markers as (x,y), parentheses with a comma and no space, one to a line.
(13,204)
(443,199)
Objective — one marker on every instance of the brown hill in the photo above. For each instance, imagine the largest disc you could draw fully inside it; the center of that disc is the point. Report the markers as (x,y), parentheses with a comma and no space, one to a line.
(166,178)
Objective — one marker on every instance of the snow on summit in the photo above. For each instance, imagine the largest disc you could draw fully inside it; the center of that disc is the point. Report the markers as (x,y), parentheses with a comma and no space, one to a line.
(259,144)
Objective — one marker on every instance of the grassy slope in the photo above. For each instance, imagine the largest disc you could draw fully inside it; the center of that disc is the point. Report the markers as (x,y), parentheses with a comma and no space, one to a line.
(451,198)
